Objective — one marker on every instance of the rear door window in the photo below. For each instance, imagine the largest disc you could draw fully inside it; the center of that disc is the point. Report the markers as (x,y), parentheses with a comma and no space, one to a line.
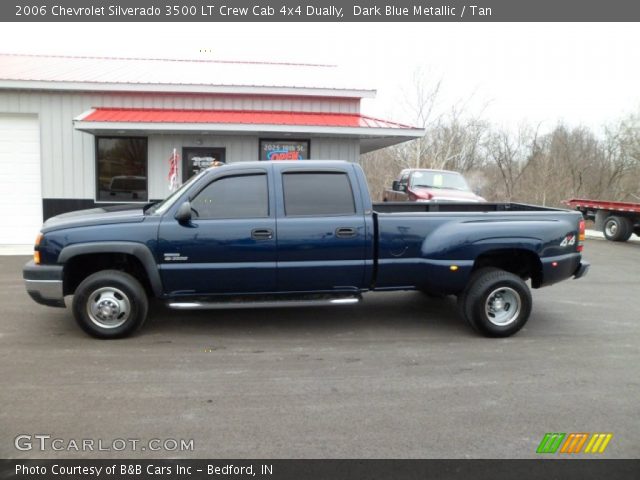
(317,193)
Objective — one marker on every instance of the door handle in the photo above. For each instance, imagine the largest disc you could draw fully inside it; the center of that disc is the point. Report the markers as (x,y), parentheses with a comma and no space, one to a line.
(346,232)
(261,234)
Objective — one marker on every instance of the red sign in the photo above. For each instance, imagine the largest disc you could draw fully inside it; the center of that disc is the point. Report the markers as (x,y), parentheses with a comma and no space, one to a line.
(284,150)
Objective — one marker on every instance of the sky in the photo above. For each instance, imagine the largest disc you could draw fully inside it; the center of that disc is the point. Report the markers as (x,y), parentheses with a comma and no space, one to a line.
(510,73)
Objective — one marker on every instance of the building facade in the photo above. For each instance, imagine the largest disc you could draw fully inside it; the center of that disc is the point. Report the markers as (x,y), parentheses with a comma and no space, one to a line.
(80,132)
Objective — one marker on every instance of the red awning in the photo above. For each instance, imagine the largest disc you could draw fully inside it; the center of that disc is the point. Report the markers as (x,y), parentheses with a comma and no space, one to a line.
(243,117)
(372,133)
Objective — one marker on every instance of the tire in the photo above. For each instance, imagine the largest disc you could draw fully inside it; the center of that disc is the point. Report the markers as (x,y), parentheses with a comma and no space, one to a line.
(462,297)
(617,229)
(462,300)
(123,300)
(496,303)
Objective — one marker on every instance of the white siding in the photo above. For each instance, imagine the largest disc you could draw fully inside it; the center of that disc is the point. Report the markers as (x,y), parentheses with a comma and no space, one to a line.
(68,156)
(335,149)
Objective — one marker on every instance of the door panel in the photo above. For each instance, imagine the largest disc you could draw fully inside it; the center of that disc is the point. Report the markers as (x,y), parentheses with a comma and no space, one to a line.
(321,233)
(217,256)
(312,257)
(230,244)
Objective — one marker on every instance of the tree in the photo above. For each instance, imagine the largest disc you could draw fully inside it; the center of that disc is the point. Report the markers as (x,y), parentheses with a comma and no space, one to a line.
(512,154)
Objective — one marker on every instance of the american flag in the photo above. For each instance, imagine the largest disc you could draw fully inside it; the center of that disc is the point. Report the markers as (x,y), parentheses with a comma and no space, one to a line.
(173,171)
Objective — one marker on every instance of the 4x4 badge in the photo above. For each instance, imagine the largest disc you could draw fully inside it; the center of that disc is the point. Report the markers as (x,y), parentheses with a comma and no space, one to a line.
(568,241)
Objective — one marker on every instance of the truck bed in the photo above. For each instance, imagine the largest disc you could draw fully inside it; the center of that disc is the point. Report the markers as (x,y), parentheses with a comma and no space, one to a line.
(418,207)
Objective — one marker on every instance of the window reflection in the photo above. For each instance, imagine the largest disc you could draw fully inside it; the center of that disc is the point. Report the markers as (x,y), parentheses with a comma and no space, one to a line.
(122,169)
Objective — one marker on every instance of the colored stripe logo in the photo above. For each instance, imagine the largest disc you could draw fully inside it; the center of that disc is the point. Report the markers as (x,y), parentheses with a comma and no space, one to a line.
(598,443)
(550,442)
(574,442)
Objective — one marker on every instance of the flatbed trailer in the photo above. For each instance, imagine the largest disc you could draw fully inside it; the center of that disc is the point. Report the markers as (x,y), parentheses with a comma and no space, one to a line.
(617,220)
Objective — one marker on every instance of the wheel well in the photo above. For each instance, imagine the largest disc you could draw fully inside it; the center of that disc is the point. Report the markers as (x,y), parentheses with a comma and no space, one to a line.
(523,263)
(78,268)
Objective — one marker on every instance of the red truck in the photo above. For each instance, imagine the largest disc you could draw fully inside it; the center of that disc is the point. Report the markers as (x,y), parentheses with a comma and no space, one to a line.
(422,185)
(617,220)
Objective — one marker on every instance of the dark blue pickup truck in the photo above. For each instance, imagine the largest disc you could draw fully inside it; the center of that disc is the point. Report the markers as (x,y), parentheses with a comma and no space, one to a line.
(263,234)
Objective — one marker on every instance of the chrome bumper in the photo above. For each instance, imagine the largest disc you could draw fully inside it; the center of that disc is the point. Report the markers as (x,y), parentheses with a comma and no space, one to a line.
(44,284)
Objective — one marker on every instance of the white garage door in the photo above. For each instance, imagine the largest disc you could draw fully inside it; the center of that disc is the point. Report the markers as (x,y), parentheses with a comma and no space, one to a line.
(20,188)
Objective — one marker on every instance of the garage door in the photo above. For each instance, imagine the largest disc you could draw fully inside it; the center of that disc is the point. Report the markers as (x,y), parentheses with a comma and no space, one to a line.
(20,188)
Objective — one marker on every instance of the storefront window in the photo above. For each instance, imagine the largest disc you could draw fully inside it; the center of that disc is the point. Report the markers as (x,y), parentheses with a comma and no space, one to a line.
(121,169)
(284,149)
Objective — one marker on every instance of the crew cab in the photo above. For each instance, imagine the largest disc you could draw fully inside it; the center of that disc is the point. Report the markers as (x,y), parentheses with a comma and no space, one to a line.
(424,185)
(281,233)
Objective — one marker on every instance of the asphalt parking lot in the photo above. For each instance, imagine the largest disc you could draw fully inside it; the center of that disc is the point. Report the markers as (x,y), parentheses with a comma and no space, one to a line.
(399,376)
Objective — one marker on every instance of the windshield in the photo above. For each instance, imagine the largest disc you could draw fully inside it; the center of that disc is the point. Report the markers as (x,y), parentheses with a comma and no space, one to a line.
(164,205)
(447,180)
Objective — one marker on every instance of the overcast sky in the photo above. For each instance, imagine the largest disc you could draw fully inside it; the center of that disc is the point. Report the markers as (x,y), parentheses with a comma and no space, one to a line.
(580,73)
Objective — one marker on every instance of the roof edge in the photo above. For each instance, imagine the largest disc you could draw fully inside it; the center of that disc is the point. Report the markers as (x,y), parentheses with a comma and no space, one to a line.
(167,59)
(185,88)
(406,133)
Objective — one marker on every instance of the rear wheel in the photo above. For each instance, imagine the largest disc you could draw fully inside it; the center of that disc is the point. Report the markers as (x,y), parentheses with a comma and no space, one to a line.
(617,229)
(496,303)
(110,304)
(462,297)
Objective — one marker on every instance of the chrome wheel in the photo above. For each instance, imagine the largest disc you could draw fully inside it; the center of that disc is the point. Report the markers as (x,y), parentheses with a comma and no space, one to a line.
(108,307)
(611,228)
(502,306)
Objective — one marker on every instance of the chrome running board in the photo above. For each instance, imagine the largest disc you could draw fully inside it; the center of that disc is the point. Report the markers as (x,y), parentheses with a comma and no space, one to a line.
(231,304)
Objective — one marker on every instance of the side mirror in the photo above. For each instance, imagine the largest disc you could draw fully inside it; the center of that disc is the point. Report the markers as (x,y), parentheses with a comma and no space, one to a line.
(395,185)
(183,215)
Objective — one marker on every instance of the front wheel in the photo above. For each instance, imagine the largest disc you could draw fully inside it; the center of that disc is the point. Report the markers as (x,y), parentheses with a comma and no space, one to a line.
(496,303)
(110,304)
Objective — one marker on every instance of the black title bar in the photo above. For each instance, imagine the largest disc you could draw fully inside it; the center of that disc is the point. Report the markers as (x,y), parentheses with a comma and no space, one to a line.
(320,469)
(319,11)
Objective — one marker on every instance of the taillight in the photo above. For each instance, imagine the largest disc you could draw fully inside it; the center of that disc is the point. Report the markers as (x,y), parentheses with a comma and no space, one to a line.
(36,253)
(581,235)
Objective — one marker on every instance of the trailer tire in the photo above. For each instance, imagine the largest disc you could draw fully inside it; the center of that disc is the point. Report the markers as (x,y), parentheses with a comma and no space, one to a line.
(496,303)
(617,229)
